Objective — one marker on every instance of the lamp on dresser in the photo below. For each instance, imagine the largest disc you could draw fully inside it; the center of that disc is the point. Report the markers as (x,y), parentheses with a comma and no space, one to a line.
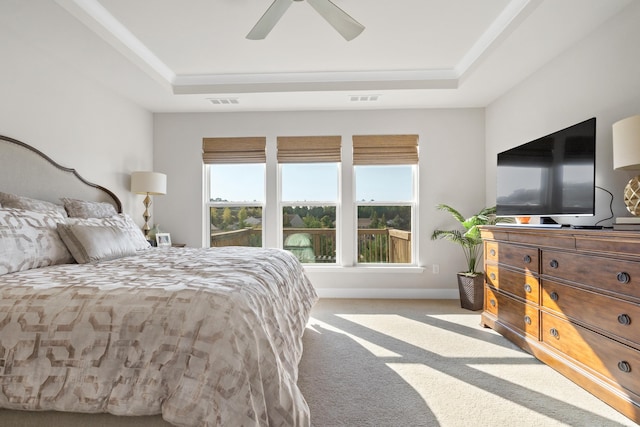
(149,184)
(626,156)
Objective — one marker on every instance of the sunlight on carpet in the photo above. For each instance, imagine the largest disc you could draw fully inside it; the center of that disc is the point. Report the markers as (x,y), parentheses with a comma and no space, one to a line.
(376,350)
(430,363)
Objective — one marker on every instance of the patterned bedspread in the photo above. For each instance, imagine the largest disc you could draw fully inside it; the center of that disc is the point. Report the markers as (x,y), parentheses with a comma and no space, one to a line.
(207,337)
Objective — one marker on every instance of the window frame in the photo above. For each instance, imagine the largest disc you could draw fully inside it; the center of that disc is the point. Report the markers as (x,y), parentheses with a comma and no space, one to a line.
(413,203)
(272,233)
(320,203)
(208,204)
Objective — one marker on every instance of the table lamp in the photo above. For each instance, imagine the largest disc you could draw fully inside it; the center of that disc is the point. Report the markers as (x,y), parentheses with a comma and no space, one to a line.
(626,156)
(148,183)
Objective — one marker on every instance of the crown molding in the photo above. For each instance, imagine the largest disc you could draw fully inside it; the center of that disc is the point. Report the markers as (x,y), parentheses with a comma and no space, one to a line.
(98,19)
(313,82)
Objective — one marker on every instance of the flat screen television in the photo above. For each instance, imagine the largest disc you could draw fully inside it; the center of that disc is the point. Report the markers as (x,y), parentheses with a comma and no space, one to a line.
(550,176)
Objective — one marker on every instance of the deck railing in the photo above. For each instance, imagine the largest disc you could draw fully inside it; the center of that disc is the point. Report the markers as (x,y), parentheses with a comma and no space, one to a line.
(244,237)
(375,245)
(323,242)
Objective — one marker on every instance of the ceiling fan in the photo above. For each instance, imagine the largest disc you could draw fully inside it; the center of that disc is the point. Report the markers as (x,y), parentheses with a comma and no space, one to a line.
(348,27)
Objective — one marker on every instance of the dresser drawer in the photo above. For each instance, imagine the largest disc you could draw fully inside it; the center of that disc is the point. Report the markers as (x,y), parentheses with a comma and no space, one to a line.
(524,257)
(517,314)
(622,277)
(611,315)
(613,360)
(520,284)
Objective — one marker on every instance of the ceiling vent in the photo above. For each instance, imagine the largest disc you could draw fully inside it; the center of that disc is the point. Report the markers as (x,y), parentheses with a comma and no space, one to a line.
(364,98)
(224,101)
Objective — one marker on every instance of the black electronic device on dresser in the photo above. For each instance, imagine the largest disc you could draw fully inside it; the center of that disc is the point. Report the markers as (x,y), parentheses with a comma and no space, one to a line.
(550,176)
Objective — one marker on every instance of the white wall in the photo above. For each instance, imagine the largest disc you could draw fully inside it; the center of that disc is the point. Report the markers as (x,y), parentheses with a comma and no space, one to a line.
(451,171)
(48,103)
(599,77)
(52,104)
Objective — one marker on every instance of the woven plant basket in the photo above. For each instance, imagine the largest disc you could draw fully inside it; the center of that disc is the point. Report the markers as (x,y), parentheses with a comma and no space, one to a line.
(471,291)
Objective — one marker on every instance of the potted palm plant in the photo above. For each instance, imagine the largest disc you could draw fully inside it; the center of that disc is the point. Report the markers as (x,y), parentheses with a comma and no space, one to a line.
(470,281)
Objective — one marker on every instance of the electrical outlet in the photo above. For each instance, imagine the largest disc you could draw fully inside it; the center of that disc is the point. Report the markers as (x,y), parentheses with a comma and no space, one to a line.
(435,268)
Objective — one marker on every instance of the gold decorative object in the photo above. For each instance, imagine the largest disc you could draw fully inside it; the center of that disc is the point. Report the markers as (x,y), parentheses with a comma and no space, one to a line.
(148,183)
(632,196)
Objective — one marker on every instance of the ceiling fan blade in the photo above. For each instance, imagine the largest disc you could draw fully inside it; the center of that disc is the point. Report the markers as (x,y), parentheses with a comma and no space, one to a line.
(270,18)
(348,27)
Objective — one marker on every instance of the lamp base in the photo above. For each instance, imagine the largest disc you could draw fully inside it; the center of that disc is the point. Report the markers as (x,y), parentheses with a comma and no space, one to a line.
(632,196)
(146,215)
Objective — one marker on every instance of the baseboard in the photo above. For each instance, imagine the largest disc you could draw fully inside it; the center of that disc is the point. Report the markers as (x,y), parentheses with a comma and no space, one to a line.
(388,293)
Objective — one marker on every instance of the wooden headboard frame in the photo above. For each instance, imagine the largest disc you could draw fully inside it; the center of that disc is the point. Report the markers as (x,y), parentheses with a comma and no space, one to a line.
(27,171)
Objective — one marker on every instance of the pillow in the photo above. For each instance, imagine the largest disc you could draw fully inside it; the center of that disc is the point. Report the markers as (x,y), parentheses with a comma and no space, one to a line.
(83,209)
(29,239)
(8,200)
(122,221)
(94,243)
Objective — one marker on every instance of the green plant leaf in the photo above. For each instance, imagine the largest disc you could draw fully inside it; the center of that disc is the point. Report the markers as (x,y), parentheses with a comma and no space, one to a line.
(469,237)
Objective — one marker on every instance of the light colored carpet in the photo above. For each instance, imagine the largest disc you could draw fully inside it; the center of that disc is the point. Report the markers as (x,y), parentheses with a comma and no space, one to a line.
(430,363)
(398,363)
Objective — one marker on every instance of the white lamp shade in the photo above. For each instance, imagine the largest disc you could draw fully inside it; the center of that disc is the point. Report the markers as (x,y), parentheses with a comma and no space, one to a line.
(626,143)
(148,183)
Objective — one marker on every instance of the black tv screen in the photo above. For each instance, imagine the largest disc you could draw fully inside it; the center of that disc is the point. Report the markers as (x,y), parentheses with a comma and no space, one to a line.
(550,176)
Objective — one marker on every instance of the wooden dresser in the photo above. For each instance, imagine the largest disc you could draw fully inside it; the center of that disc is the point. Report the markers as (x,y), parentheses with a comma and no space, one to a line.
(572,299)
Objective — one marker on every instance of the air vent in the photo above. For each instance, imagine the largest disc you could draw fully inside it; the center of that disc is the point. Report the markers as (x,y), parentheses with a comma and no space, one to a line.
(364,98)
(224,101)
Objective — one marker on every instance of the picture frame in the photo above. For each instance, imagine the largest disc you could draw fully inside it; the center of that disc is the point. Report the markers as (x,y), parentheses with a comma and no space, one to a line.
(163,240)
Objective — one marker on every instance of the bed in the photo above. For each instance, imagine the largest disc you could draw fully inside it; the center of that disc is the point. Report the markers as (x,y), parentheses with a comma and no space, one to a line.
(94,321)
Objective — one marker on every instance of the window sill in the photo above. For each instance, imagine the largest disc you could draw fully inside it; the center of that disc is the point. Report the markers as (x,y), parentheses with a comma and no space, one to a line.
(364,269)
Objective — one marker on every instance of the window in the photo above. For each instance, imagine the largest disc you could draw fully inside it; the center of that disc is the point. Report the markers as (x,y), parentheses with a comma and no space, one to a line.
(385,176)
(303,205)
(236,187)
(309,196)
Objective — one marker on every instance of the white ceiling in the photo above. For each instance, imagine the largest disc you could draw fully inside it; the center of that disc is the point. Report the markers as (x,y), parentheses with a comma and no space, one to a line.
(176,55)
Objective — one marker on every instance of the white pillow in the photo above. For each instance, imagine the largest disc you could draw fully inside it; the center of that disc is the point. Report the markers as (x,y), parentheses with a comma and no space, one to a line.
(122,221)
(29,240)
(94,243)
(84,209)
(8,200)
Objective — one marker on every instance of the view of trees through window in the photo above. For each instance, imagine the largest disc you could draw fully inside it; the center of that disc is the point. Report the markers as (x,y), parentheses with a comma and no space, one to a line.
(385,207)
(398,217)
(309,199)
(236,195)
(236,226)
(309,232)
(384,234)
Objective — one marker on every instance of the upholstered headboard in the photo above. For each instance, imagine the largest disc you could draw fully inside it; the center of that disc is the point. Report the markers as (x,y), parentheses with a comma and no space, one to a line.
(28,172)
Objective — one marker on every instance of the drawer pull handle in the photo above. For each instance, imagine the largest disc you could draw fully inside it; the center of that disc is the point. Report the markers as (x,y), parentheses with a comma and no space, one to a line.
(527,320)
(492,302)
(492,252)
(527,288)
(554,333)
(624,319)
(624,366)
(527,259)
(553,263)
(623,277)
(493,276)
(554,296)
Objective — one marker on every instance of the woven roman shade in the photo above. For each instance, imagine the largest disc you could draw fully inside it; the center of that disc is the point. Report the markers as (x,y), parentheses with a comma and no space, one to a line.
(234,150)
(385,149)
(309,149)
